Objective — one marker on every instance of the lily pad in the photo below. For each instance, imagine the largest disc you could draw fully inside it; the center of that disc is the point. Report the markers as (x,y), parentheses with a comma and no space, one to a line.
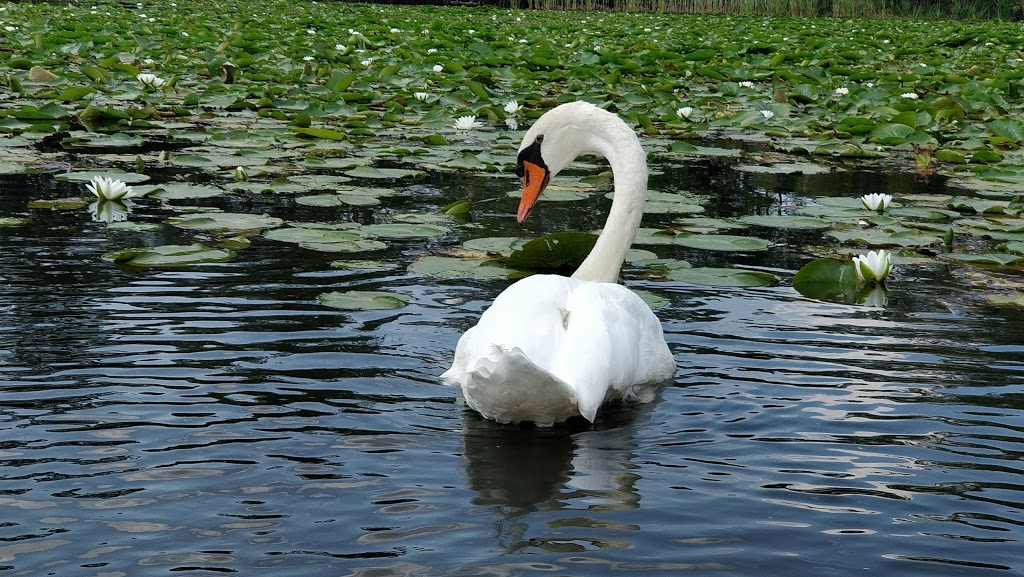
(723,242)
(11,221)
(827,279)
(169,256)
(364,300)
(996,258)
(326,239)
(399,230)
(336,200)
(223,223)
(452,267)
(382,173)
(724,277)
(503,245)
(785,168)
(180,191)
(87,175)
(556,251)
(785,221)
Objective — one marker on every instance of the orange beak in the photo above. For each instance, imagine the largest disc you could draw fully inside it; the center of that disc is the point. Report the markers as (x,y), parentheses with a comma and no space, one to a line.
(535,180)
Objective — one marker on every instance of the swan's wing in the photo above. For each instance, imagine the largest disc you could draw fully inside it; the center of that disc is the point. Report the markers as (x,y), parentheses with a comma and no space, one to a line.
(612,342)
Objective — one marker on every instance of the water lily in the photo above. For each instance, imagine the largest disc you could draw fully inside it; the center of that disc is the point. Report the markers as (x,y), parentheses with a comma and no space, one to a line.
(512,123)
(512,107)
(109,188)
(241,173)
(842,91)
(874,266)
(421,96)
(876,201)
(438,68)
(109,211)
(910,95)
(746,84)
(367,62)
(467,123)
(684,112)
(151,81)
(767,114)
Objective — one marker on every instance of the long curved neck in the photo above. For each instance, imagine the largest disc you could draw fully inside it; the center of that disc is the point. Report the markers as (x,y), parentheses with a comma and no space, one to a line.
(619,144)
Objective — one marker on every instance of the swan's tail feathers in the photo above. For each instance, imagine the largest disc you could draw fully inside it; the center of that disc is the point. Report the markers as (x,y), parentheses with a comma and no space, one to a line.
(508,387)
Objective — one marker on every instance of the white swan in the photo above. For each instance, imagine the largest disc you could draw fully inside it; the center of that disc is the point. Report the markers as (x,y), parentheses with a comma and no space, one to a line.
(552,347)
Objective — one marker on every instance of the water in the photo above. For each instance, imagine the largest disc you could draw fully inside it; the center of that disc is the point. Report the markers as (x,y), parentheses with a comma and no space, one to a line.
(219,420)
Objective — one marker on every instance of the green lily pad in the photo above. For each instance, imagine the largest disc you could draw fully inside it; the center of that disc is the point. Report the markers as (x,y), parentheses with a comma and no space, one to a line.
(87,175)
(364,300)
(827,279)
(223,223)
(362,265)
(452,267)
(997,258)
(180,191)
(58,204)
(653,300)
(785,168)
(875,237)
(11,221)
(785,221)
(169,256)
(1016,300)
(556,251)
(326,239)
(654,236)
(382,173)
(724,277)
(723,242)
(503,245)
(399,230)
(336,200)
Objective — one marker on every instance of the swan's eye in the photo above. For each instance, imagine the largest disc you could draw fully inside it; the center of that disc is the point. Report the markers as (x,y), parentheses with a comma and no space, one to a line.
(540,139)
(520,170)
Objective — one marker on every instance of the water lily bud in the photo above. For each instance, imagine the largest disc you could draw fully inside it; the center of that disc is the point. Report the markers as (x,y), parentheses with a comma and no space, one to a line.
(241,174)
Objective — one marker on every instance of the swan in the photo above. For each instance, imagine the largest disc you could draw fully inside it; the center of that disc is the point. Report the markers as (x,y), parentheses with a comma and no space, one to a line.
(551,347)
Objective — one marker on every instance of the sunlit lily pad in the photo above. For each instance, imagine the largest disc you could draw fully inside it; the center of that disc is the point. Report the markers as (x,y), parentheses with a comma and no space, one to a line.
(362,265)
(723,242)
(364,300)
(11,221)
(654,236)
(785,168)
(169,256)
(725,277)
(785,221)
(653,300)
(901,236)
(827,279)
(503,245)
(326,239)
(58,204)
(1016,300)
(993,258)
(180,191)
(452,267)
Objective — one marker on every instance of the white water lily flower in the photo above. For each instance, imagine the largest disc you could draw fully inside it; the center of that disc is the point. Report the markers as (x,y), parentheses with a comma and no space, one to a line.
(109,211)
(109,188)
(438,68)
(684,112)
(467,123)
(746,84)
(876,201)
(308,58)
(241,173)
(431,50)
(874,266)
(767,114)
(842,91)
(367,62)
(512,123)
(395,30)
(910,95)
(512,107)
(150,80)
(421,96)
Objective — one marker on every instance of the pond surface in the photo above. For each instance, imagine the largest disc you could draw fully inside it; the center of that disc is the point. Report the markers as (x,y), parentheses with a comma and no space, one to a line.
(219,419)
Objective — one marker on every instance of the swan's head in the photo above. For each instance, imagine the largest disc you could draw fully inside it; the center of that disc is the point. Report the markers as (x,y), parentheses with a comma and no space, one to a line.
(559,136)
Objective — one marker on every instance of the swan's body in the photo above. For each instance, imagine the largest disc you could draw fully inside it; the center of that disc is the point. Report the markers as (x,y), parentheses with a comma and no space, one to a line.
(553,347)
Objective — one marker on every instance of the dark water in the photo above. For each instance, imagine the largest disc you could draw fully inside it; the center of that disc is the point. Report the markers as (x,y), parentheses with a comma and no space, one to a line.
(219,420)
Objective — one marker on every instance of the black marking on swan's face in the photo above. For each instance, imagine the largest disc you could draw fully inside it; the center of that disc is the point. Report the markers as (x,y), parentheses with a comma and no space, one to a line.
(530,154)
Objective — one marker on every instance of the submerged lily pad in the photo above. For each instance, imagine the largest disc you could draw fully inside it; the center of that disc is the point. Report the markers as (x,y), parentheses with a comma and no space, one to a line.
(725,277)
(169,256)
(364,300)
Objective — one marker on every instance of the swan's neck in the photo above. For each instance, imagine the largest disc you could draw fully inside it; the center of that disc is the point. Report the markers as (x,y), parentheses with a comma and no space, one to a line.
(629,167)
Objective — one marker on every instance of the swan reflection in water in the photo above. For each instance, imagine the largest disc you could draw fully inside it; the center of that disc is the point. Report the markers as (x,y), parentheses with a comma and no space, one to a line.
(535,479)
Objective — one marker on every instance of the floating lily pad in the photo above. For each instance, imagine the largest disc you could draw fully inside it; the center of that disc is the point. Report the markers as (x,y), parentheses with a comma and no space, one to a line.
(654,236)
(996,258)
(382,173)
(827,279)
(326,239)
(169,256)
(905,237)
(336,200)
(364,300)
(87,175)
(362,265)
(59,204)
(11,221)
(555,251)
(1016,300)
(503,245)
(785,168)
(786,221)
(399,230)
(653,300)
(223,223)
(180,191)
(725,277)
(452,267)
(723,242)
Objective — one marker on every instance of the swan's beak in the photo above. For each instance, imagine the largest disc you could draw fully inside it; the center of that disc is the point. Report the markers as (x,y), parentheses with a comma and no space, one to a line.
(535,180)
